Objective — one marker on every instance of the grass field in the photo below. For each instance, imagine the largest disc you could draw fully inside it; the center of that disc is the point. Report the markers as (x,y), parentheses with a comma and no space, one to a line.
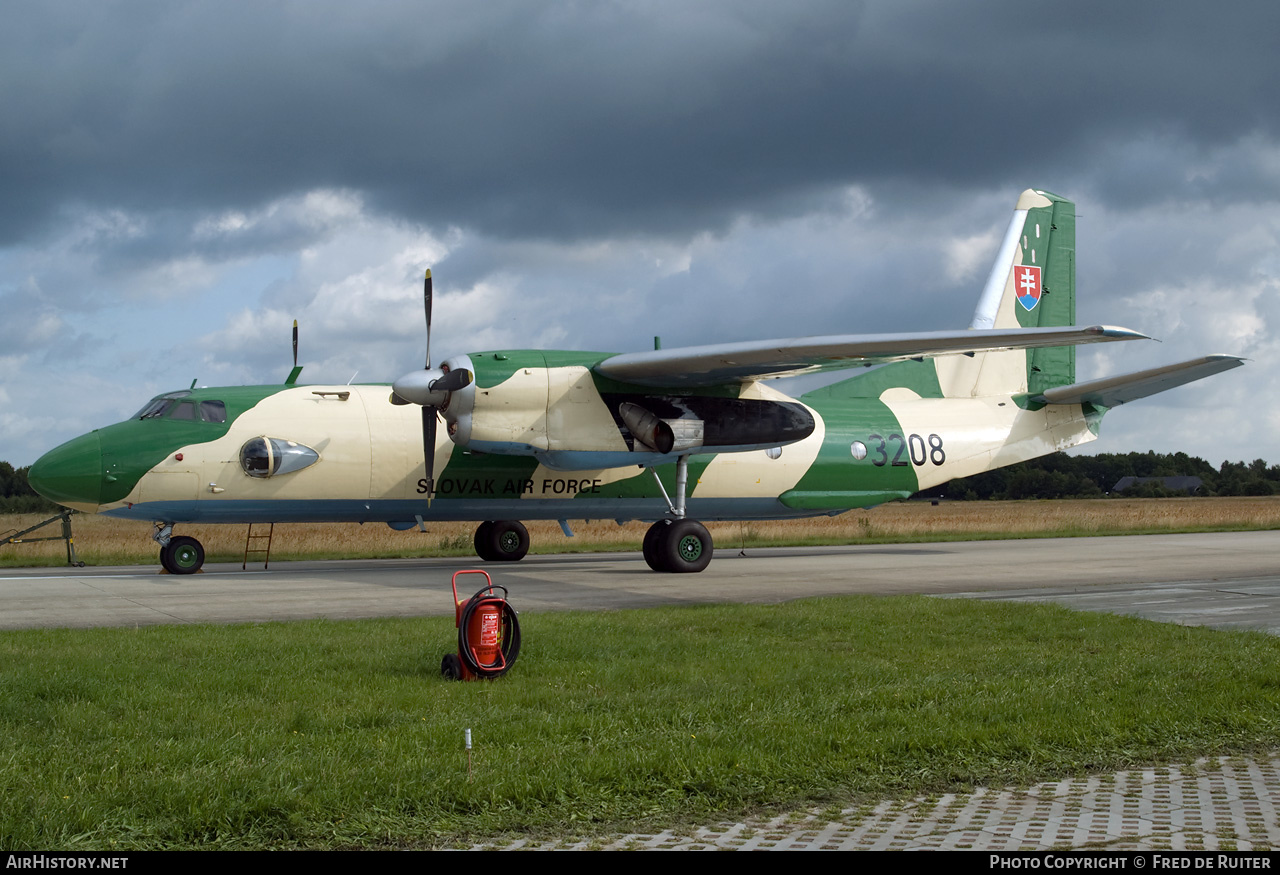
(326,734)
(105,541)
(342,735)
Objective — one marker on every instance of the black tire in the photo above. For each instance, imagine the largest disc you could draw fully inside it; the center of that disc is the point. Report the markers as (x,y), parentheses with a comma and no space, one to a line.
(507,541)
(451,667)
(482,541)
(651,539)
(684,547)
(183,555)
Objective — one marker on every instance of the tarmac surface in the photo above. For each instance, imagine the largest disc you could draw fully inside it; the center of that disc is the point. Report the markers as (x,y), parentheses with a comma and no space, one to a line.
(1222,580)
(1229,580)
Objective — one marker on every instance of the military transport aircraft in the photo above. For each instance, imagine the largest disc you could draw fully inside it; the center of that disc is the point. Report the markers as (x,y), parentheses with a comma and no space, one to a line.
(668,435)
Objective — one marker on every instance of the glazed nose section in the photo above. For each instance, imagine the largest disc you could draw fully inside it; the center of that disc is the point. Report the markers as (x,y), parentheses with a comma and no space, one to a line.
(71,474)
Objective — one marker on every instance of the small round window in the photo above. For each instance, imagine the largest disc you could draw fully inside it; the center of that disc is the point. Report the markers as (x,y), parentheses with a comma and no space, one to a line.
(774,452)
(858,449)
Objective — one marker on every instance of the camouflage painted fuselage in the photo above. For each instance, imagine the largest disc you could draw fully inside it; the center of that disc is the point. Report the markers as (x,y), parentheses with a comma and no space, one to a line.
(867,446)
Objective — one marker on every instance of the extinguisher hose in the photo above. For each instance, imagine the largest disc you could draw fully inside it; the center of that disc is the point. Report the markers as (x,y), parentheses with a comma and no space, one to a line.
(509,639)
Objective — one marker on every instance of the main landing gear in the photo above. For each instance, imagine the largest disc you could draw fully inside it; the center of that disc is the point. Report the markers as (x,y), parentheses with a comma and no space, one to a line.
(501,541)
(178,554)
(675,544)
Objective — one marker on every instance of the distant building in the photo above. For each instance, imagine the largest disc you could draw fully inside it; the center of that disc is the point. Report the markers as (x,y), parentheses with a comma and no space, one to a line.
(1189,485)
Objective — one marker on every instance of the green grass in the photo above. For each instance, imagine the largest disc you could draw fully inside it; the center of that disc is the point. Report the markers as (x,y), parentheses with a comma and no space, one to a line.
(341,734)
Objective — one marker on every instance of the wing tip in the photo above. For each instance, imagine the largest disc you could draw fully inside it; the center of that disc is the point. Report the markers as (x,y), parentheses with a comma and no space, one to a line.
(1115,332)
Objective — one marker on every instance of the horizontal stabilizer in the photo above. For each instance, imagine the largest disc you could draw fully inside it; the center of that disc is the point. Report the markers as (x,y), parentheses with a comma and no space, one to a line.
(1114,391)
(768,359)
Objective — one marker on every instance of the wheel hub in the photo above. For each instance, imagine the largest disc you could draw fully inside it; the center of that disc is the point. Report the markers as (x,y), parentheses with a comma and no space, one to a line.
(690,548)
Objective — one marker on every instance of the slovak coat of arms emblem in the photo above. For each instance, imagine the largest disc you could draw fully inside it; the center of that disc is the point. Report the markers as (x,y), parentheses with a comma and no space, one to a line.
(1026,283)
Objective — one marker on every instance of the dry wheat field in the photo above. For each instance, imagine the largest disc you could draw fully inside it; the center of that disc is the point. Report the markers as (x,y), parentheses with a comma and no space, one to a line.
(105,541)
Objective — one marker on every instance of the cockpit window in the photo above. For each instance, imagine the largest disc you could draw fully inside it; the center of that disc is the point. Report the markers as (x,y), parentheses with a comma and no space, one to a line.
(160,405)
(170,405)
(213,411)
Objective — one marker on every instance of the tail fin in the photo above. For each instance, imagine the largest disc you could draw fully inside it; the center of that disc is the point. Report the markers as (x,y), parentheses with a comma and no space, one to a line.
(1032,284)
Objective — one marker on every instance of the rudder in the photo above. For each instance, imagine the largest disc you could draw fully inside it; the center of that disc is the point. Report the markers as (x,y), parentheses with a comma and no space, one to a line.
(1033,283)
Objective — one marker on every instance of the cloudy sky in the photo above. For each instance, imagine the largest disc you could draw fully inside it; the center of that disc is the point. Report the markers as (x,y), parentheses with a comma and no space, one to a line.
(179,181)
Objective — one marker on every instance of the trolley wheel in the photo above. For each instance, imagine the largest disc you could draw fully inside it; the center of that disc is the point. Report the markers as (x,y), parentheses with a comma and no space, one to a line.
(451,667)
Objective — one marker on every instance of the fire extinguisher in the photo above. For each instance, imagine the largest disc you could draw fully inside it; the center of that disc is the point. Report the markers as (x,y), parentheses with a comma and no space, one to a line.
(488,633)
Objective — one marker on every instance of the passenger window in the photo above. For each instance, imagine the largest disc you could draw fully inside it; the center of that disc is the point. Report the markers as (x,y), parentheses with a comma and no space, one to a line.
(213,411)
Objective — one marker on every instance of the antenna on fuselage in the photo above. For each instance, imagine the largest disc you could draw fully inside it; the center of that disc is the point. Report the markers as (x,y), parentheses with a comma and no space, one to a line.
(293,375)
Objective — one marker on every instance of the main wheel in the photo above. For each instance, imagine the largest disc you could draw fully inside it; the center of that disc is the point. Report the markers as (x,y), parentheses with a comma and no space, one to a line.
(505,541)
(183,555)
(684,547)
(483,541)
(650,546)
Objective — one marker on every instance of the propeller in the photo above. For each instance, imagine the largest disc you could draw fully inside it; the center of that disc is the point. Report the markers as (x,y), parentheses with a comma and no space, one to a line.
(293,375)
(429,387)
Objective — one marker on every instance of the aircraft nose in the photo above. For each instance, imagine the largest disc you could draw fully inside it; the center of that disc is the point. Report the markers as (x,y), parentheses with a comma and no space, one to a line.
(71,474)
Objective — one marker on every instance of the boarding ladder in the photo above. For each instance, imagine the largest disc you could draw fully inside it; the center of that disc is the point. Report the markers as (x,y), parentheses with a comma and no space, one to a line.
(253,545)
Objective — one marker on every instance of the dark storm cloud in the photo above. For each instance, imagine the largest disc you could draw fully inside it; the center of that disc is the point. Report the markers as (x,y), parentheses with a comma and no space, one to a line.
(559,120)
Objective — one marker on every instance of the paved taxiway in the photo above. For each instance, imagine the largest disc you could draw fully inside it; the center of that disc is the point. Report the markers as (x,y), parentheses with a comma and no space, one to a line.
(1223,579)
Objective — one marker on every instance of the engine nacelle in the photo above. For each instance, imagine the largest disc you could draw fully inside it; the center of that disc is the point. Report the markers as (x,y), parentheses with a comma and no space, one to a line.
(559,416)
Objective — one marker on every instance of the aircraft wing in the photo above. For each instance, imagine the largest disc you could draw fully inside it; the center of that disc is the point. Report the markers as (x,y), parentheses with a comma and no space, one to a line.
(1113,391)
(769,359)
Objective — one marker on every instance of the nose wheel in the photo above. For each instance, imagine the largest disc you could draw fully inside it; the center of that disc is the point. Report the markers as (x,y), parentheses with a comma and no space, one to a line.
(182,555)
(179,554)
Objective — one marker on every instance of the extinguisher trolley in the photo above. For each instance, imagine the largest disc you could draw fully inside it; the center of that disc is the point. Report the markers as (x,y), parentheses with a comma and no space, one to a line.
(488,633)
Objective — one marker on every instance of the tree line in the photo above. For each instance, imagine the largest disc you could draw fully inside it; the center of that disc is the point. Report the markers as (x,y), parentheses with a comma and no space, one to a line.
(16,494)
(1064,476)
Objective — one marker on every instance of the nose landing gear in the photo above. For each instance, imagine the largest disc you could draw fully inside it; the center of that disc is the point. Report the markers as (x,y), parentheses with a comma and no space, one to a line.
(178,554)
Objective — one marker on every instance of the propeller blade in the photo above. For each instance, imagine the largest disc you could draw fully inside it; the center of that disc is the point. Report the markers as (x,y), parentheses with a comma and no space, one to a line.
(295,343)
(429,447)
(459,378)
(426,297)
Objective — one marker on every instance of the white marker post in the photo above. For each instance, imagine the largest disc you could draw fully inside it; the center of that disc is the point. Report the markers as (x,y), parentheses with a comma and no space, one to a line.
(468,736)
